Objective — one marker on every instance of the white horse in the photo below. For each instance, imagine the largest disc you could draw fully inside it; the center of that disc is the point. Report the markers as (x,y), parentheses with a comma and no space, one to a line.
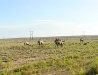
(81,40)
(26,43)
(40,42)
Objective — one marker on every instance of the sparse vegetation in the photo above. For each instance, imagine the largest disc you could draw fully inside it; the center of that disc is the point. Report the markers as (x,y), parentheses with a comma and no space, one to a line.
(74,58)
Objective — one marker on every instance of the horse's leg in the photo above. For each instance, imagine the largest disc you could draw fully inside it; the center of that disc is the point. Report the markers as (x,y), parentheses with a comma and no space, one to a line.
(61,44)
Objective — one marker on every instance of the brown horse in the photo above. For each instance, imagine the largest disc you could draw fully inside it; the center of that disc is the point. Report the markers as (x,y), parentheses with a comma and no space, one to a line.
(58,42)
(40,43)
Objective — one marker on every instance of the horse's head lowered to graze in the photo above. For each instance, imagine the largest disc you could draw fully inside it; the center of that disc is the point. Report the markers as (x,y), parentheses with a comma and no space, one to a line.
(59,42)
(26,43)
(40,42)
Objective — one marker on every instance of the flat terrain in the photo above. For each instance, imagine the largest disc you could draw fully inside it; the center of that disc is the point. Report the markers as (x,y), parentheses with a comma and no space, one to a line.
(74,58)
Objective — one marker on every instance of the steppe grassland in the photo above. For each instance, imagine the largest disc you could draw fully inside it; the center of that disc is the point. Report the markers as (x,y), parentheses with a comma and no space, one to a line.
(74,58)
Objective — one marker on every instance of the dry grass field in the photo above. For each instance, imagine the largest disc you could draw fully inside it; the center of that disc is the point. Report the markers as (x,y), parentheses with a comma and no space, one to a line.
(74,58)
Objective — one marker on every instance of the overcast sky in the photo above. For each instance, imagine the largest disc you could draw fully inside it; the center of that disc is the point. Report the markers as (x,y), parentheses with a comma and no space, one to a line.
(48,18)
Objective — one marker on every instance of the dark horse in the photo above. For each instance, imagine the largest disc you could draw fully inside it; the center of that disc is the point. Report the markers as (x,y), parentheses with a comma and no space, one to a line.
(59,42)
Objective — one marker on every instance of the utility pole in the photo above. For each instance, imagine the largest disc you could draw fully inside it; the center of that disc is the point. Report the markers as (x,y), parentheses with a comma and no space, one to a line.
(31,34)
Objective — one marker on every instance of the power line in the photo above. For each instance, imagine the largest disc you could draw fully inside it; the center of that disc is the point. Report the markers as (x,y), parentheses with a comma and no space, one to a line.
(31,34)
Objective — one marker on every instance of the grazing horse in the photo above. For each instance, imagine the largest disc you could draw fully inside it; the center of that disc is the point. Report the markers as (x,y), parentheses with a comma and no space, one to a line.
(26,43)
(81,40)
(59,42)
(40,43)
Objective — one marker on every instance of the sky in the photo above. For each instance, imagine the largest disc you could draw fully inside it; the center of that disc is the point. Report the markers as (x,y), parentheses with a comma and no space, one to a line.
(48,18)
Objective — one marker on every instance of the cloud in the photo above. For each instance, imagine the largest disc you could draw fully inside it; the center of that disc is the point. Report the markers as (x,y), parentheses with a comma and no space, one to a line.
(13,27)
(53,27)
(11,31)
(53,22)
(43,28)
